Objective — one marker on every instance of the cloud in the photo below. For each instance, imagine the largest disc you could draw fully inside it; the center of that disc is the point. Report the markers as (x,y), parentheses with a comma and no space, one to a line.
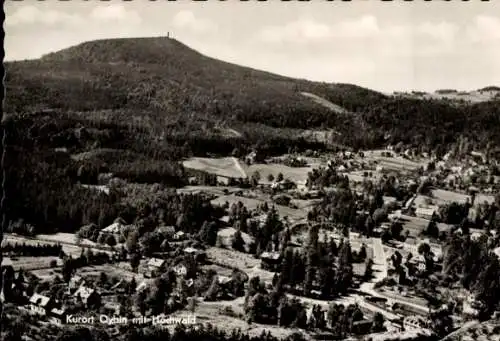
(32,15)
(115,12)
(186,20)
(362,28)
(36,15)
(484,29)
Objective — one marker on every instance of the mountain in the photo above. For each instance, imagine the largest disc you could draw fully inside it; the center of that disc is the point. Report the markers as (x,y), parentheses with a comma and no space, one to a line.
(159,82)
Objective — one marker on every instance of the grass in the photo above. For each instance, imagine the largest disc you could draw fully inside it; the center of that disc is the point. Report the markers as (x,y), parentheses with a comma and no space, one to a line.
(295,174)
(416,225)
(227,234)
(227,166)
(252,204)
(30,263)
(392,163)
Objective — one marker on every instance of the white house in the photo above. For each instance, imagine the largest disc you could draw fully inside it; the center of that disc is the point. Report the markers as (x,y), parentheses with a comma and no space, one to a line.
(40,304)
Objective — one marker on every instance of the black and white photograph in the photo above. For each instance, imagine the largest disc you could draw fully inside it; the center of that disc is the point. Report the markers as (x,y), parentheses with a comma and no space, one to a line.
(229,170)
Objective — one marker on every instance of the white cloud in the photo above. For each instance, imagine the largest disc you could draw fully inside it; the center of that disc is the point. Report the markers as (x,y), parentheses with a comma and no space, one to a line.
(35,15)
(484,29)
(186,20)
(32,15)
(362,28)
(115,12)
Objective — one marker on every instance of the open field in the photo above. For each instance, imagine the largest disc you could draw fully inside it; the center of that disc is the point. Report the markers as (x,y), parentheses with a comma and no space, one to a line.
(47,274)
(242,261)
(210,312)
(227,234)
(416,225)
(72,250)
(221,271)
(443,196)
(295,174)
(357,176)
(215,190)
(252,204)
(226,166)
(65,238)
(120,270)
(392,163)
(31,263)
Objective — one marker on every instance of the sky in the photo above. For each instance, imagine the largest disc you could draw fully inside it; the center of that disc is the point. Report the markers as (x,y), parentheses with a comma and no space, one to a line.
(386,46)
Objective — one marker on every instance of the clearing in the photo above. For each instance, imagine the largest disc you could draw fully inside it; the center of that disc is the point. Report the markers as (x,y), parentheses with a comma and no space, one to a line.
(297,175)
(251,204)
(227,166)
(326,103)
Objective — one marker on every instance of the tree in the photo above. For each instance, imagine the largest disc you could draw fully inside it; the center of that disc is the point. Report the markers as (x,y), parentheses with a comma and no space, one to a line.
(67,269)
(237,242)
(208,233)
(362,253)
(386,236)
(432,229)
(135,260)
(214,290)
(424,249)
(132,242)
(255,178)
(368,269)
(110,240)
(279,178)
(378,323)
(396,229)
(270,177)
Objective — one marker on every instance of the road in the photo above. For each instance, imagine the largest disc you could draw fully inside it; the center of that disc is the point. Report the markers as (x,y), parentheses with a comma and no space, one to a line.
(380,266)
(463,329)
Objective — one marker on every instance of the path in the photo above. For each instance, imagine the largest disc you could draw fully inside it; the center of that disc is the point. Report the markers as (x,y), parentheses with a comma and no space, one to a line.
(237,164)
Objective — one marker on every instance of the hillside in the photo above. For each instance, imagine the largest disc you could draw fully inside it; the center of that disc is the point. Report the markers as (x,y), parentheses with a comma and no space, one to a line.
(163,88)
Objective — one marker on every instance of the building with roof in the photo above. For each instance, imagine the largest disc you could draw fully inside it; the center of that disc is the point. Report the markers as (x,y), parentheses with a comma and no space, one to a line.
(40,304)
(154,267)
(89,297)
(58,316)
(425,213)
(198,254)
(270,261)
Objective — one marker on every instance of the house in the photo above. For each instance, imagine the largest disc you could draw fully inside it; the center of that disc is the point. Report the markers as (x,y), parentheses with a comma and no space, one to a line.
(497,252)
(425,213)
(251,158)
(224,180)
(415,322)
(225,220)
(88,296)
(180,270)
(74,283)
(270,261)
(166,231)
(361,327)
(198,254)
(154,267)
(40,304)
(224,280)
(180,235)
(58,316)
(419,262)
(116,230)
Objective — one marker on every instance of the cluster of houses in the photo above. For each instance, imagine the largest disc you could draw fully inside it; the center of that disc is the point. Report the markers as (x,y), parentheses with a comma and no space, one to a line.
(42,305)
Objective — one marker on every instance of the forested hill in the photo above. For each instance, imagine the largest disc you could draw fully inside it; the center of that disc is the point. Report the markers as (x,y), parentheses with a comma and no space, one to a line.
(157,80)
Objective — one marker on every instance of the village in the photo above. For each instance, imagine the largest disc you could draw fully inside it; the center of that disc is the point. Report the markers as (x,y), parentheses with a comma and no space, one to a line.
(300,240)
